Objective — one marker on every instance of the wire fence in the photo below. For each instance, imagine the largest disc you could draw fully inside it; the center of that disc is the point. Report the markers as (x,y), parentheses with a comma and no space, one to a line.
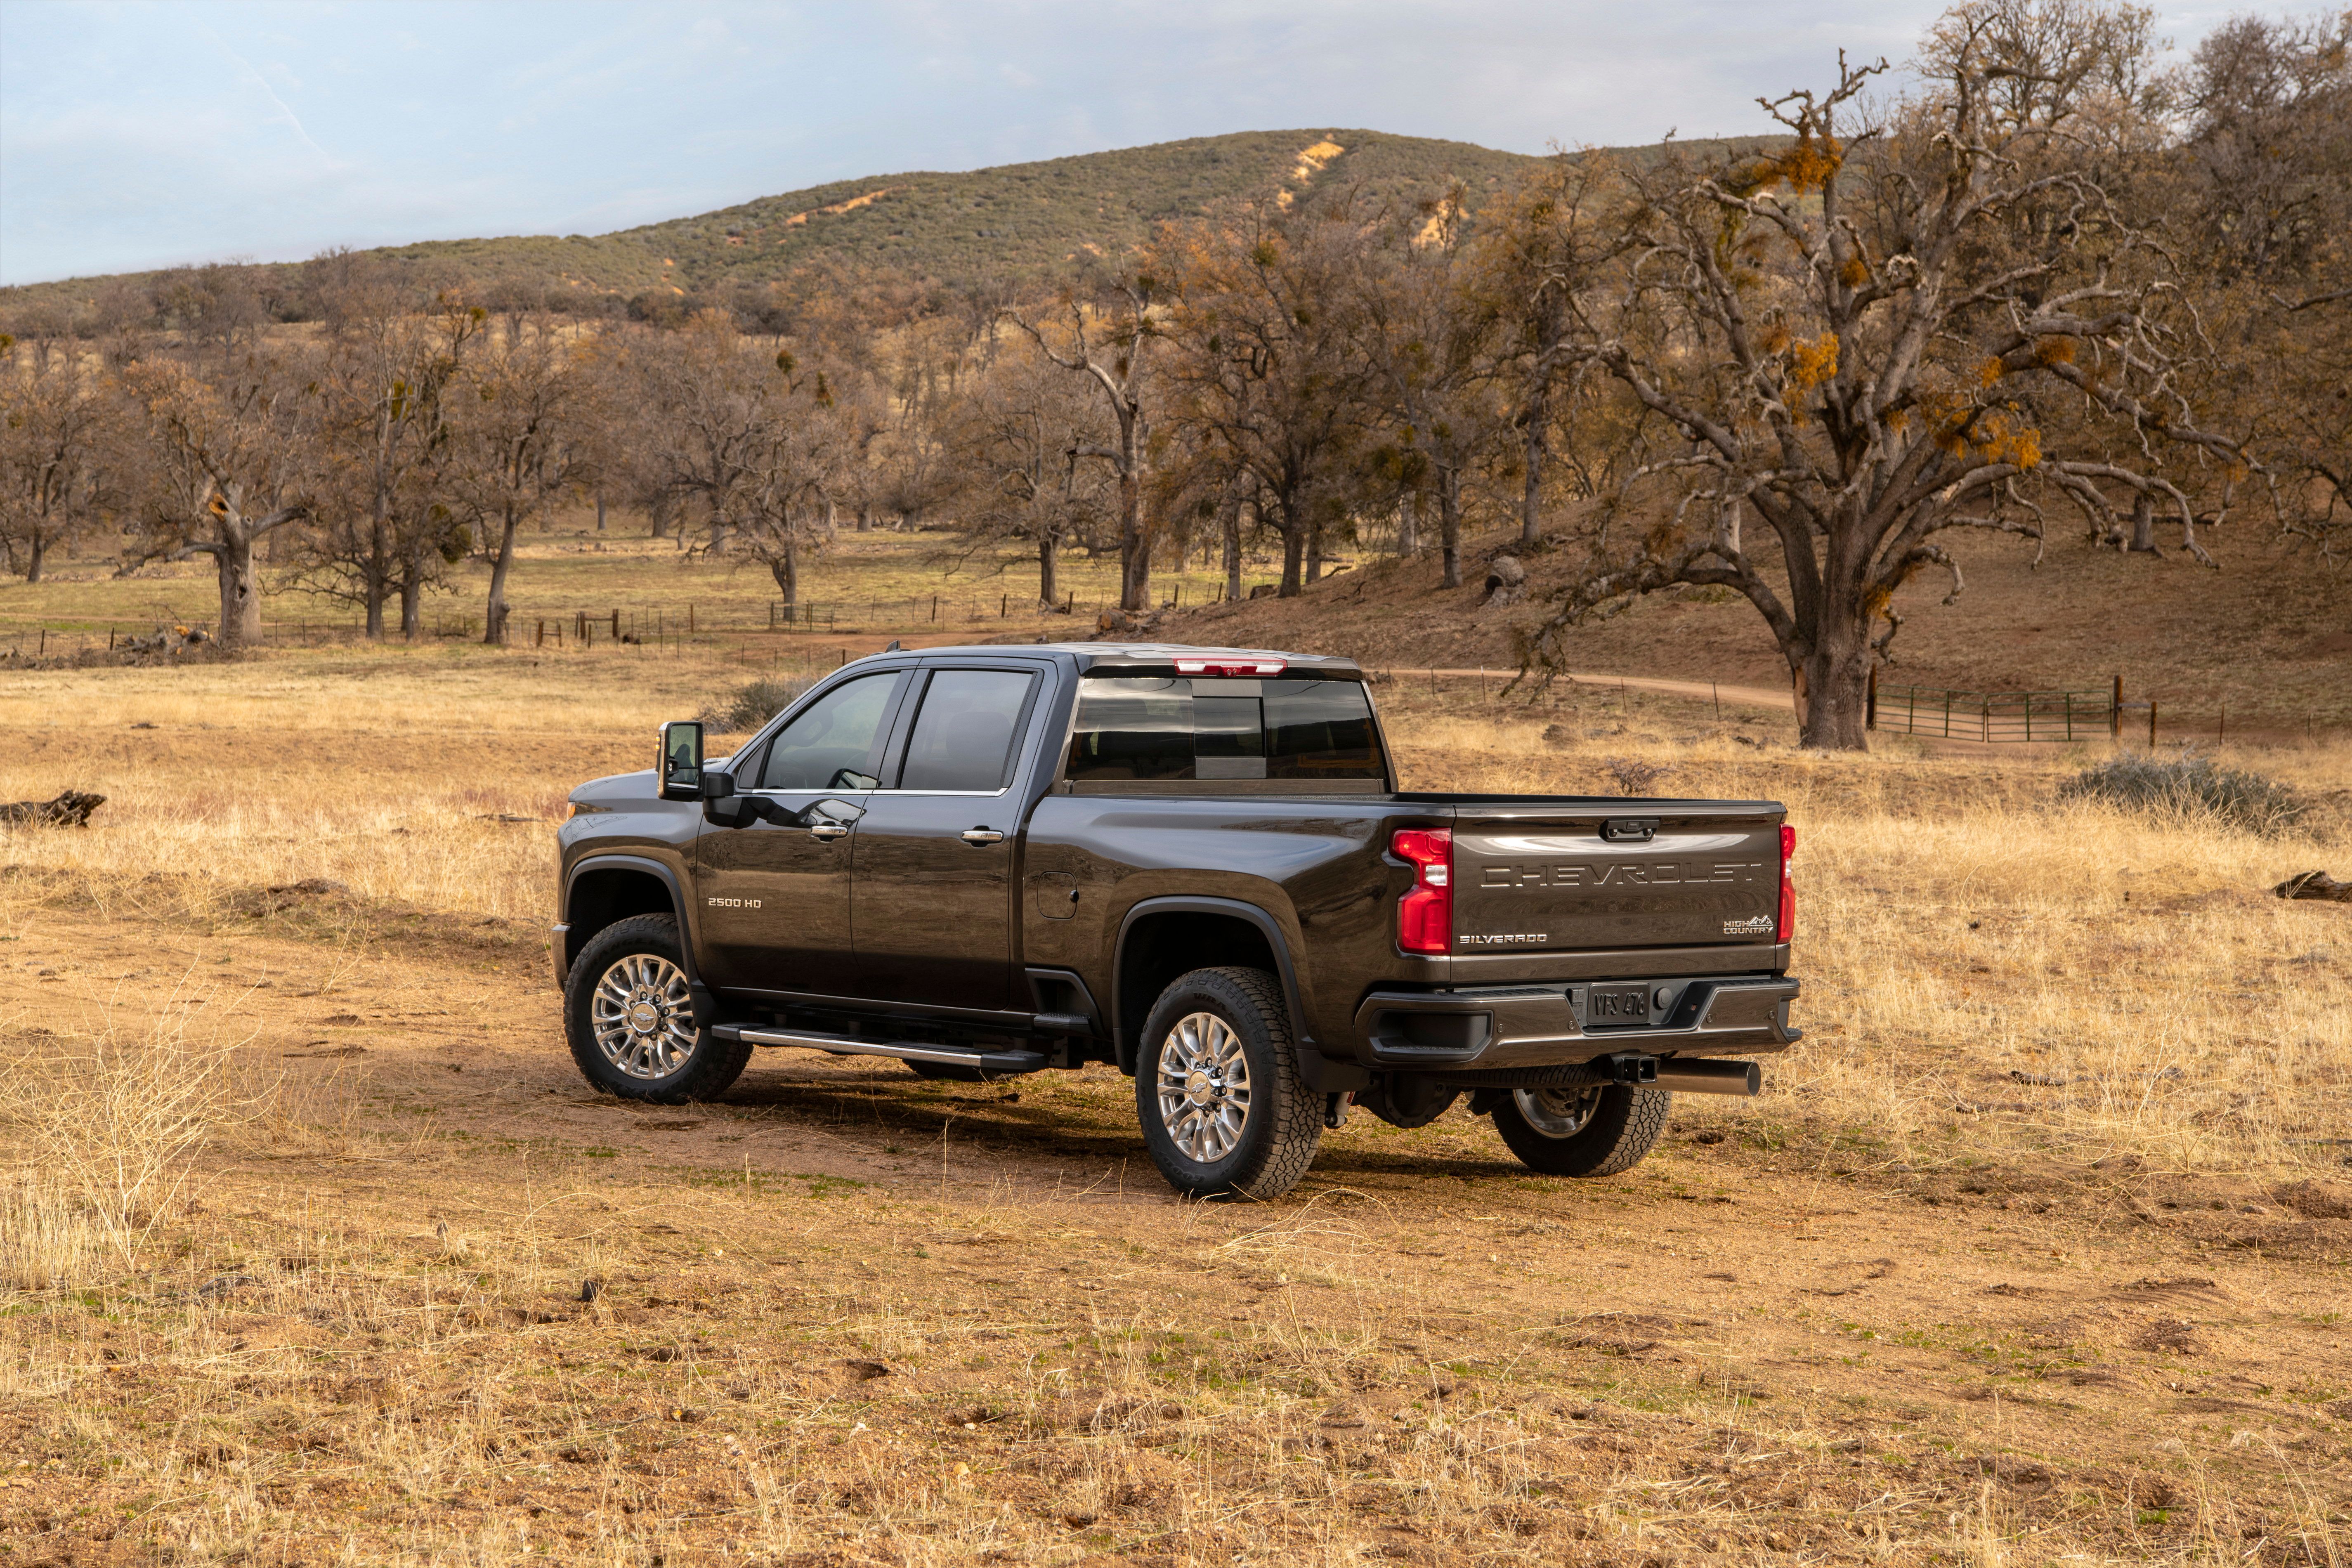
(1996,716)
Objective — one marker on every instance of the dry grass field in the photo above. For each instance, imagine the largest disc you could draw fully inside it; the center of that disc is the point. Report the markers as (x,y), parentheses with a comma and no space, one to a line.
(313,1249)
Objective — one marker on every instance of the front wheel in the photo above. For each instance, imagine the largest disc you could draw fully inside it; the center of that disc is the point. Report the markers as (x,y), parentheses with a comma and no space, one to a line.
(1582,1131)
(1217,1088)
(630,1020)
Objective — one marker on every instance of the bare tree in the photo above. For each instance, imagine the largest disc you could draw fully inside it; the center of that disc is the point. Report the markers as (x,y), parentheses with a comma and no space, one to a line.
(1105,338)
(233,452)
(1432,344)
(2268,184)
(1015,436)
(1882,333)
(1271,369)
(527,433)
(61,453)
(1547,243)
(388,528)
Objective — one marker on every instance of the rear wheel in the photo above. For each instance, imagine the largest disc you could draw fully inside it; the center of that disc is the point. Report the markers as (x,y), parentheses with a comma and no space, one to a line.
(1218,1091)
(630,1019)
(1594,1132)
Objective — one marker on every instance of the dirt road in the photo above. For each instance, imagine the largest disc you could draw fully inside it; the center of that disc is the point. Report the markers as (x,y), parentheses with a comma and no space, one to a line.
(442,1300)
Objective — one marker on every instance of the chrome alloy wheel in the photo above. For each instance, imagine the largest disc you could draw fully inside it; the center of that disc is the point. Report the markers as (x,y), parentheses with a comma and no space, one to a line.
(644,1023)
(1558,1112)
(1203,1087)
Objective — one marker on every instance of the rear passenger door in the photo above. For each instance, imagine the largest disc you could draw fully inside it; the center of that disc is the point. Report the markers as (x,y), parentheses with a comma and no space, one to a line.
(931,890)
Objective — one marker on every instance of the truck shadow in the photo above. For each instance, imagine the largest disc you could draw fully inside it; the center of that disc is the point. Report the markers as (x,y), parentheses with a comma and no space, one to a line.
(1025,1119)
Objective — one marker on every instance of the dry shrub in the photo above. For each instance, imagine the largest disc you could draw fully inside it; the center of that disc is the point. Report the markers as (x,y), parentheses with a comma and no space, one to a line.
(747,708)
(112,1121)
(1633,775)
(2189,785)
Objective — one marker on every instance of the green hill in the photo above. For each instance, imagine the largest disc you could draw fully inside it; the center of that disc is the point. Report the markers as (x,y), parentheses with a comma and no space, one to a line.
(1016,222)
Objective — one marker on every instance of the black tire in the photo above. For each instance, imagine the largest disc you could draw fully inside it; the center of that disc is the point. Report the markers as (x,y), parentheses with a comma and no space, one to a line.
(1261,1152)
(665,1062)
(1582,1131)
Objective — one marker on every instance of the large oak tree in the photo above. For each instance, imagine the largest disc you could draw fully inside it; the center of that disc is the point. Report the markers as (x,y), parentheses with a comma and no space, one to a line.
(1889,328)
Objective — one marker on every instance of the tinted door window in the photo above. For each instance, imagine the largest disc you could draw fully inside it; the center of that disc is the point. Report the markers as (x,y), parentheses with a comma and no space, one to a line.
(963,737)
(837,742)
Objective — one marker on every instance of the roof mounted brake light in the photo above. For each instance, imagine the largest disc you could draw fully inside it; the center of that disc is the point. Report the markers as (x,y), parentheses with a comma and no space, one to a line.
(1244,666)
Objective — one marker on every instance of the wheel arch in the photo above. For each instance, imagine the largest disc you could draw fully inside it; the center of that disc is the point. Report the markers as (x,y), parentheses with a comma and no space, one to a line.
(603,888)
(1159,939)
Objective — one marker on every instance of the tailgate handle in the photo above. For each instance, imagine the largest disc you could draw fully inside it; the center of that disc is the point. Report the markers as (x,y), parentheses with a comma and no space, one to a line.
(1629,829)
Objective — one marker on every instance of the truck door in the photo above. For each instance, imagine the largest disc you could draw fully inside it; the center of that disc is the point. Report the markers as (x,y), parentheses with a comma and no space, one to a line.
(932,904)
(775,891)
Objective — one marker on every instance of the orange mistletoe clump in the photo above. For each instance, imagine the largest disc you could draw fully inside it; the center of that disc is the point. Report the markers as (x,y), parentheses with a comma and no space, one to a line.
(2006,440)
(1993,370)
(1855,273)
(1806,166)
(2053,351)
(1812,364)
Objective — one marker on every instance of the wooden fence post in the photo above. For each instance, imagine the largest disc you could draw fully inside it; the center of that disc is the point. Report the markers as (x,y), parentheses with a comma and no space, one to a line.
(2151,724)
(2115,712)
(1869,702)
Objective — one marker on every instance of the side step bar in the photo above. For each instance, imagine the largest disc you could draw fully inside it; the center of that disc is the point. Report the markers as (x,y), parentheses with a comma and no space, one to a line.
(1000,1063)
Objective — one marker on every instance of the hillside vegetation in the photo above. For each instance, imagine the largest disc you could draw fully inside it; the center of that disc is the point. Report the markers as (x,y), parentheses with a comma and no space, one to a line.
(1016,221)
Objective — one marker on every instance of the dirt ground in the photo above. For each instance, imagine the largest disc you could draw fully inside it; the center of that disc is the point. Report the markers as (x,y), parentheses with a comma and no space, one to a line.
(850,1316)
(2036,1250)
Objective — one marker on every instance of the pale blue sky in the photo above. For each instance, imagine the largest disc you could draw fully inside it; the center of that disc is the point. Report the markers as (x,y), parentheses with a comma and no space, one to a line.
(135,135)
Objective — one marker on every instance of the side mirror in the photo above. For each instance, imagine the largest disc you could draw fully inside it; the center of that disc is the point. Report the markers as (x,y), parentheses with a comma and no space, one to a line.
(680,769)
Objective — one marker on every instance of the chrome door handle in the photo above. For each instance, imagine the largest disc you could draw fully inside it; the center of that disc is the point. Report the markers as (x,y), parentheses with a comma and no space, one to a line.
(827,831)
(978,836)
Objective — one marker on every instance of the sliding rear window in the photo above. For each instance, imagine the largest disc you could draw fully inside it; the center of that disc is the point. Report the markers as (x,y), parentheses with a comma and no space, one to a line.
(1151,728)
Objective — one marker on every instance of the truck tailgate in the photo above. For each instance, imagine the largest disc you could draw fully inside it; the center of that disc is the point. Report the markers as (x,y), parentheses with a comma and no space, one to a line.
(1667,874)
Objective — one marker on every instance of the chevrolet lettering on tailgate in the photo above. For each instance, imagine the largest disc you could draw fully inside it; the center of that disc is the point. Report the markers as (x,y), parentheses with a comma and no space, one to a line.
(1656,874)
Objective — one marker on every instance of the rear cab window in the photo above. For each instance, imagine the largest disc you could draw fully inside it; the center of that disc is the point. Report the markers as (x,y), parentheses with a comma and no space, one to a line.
(1201,734)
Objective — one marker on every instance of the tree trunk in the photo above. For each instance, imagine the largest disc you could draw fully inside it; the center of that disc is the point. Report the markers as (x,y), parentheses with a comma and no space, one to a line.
(2143,537)
(1234,549)
(240,596)
(1134,552)
(1049,590)
(786,569)
(1294,545)
(1831,682)
(1407,524)
(494,614)
(377,572)
(1449,525)
(412,606)
(661,517)
(40,548)
(600,509)
(1315,551)
(1532,497)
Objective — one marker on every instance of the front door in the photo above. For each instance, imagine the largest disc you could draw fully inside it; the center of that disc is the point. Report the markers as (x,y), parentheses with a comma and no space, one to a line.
(775,892)
(932,909)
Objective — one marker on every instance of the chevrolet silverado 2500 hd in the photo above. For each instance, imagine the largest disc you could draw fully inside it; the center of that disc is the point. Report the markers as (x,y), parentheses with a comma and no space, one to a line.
(1195,864)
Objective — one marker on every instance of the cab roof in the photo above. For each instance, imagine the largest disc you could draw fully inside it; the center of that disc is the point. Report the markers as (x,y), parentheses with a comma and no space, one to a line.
(1153,655)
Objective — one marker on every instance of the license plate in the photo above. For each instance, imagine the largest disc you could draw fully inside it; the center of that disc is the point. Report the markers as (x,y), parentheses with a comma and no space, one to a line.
(1607,1004)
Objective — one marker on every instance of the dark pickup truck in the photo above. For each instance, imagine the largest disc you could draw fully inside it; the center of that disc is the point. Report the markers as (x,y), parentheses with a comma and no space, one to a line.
(1195,864)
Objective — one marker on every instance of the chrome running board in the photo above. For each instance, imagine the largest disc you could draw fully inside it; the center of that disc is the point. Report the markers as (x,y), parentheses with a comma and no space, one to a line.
(1000,1064)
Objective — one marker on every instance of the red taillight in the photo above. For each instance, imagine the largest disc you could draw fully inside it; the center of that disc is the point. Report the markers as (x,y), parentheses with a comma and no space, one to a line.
(1425,914)
(1787,929)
